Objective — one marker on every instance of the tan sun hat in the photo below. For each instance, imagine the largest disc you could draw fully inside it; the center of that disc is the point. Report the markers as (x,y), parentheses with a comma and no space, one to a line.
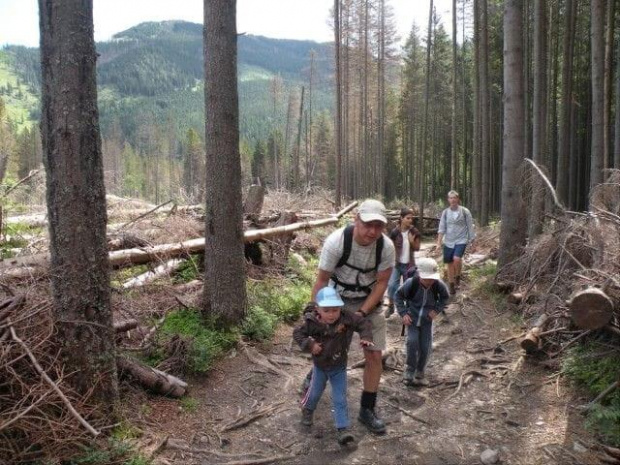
(427,268)
(372,210)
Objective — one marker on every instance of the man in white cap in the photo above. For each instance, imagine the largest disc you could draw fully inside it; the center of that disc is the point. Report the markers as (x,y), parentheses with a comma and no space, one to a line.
(357,260)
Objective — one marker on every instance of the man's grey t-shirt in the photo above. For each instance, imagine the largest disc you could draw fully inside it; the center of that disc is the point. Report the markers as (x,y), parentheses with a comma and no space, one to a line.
(363,257)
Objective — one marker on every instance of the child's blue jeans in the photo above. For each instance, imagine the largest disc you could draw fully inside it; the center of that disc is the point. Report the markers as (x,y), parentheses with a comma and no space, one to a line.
(338,379)
(419,346)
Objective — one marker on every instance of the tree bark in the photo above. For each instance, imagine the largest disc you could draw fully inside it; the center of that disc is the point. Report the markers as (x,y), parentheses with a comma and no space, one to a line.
(609,54)
(427,90)
(512,235)
(154,380)
(561,177)
(338,123)
(76,200)
(225,295)
(539,120)
(485,140)
(597,18)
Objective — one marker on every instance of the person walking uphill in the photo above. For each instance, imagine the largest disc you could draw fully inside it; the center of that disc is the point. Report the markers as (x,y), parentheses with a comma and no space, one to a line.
(456,231)
(418,301)
(406,239)
(357,260)
(326,333)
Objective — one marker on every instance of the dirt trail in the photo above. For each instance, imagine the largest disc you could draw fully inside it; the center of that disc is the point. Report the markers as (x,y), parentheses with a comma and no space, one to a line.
(505,403)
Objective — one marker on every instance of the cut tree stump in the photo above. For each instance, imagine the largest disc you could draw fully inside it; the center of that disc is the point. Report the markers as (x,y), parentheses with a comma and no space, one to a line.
(150,378)
(591,308)
(254,201)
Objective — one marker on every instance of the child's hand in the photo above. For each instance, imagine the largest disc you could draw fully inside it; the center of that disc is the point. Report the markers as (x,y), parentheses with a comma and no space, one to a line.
(432,315)
(364,343)
(316,348)
(407,320)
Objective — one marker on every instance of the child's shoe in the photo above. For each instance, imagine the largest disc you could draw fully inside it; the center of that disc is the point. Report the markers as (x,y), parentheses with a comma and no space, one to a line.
(345,438)
(408,376)
(306,417)
(420,380)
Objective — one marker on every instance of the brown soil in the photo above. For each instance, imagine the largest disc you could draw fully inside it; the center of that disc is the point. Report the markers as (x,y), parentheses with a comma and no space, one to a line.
(506,402)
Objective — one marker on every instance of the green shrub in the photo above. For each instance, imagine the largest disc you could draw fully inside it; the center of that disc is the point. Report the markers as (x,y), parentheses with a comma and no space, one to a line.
(483,285)
(189,270)
(259,325)
(115,451)
(589,366)
(203,340)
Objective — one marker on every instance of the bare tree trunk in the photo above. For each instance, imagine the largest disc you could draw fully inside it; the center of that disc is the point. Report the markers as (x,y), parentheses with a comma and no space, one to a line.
(609,42)
(512,236)
(476,176)
(597,12)
(453,156)
(224,290)
(539,120)
(617,121)
(298,147)
(338,125)
(427,86)
(485,107)
(76,200)
(567,77)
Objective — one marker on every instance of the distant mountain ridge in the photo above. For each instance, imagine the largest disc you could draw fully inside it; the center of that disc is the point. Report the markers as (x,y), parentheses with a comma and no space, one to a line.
(156,69)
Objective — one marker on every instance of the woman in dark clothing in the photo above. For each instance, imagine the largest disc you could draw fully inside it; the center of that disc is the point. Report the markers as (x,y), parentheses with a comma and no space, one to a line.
(406,239)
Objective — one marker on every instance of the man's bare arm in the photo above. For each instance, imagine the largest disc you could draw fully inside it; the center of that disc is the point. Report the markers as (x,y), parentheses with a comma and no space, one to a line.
(378,291)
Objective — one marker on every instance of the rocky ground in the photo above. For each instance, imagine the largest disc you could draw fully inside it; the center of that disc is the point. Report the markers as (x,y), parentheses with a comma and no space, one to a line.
(486,403)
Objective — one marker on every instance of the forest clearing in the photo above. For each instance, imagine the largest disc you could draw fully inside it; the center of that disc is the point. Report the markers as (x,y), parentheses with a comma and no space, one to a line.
(192,217)
(489,400)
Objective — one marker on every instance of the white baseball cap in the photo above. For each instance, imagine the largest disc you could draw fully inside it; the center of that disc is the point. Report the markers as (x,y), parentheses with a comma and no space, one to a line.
(427,268)
(372,210)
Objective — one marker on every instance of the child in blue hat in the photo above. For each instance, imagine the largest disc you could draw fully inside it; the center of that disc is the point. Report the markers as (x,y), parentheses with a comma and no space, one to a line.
(326,333)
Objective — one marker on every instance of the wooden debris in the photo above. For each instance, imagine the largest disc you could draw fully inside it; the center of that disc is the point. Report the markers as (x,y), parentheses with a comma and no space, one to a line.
(125,325)
(591,308)
(532,341)
(150,378)
(251,417)
(253,204)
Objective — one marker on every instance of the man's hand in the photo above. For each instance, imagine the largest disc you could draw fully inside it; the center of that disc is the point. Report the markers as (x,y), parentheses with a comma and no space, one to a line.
(365,343)
(407,320)
(316,348)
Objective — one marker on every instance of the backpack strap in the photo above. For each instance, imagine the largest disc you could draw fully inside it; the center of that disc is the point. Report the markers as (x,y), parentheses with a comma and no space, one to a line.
(348,243)
(415,285)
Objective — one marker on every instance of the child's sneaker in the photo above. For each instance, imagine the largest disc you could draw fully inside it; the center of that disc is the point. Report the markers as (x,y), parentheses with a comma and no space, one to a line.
(420,380)
(408,376)
(306,417)
(345,438)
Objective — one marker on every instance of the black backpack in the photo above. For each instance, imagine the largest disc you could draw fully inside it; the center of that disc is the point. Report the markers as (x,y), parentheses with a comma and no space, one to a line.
(346,252)
(415,285)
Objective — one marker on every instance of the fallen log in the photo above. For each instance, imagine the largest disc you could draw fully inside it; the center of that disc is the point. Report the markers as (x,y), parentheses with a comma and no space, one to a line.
(36,265)
(150,378)
(532,340)
(125,325)
(162,270)
(591,308)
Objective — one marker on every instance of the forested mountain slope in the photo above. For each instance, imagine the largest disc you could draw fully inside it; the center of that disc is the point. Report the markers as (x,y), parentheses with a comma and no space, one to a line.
(152,74)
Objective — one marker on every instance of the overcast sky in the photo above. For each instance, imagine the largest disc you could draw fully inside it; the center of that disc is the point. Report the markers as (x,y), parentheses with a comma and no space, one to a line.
(286,19)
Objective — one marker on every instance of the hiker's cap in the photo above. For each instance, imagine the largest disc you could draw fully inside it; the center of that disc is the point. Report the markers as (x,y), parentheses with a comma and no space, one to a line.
(328,297)
(427,268)
(372,210)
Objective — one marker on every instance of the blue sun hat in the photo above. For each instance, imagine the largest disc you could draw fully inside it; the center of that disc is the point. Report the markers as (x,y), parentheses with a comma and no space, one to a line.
(328,297)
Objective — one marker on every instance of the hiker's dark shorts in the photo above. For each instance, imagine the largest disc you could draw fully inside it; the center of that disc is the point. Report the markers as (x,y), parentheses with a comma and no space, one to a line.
(457,251)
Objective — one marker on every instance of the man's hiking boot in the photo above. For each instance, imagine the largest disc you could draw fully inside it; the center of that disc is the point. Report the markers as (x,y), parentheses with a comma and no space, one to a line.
(409,377)
(389,311)
(369,418)
(420,380)
(452,289)
(306,417)
(457,280)
(345,438)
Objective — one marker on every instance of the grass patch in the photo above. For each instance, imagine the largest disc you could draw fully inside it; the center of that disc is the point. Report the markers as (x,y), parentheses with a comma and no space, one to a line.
(189,270)
(125,274)
(273,301)
(481,279)
(115,451)
(189,404)
(593,367)
(203,342)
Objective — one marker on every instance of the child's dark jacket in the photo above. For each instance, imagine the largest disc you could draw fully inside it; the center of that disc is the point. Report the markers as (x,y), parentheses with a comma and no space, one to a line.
(335,338)
(419,302)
